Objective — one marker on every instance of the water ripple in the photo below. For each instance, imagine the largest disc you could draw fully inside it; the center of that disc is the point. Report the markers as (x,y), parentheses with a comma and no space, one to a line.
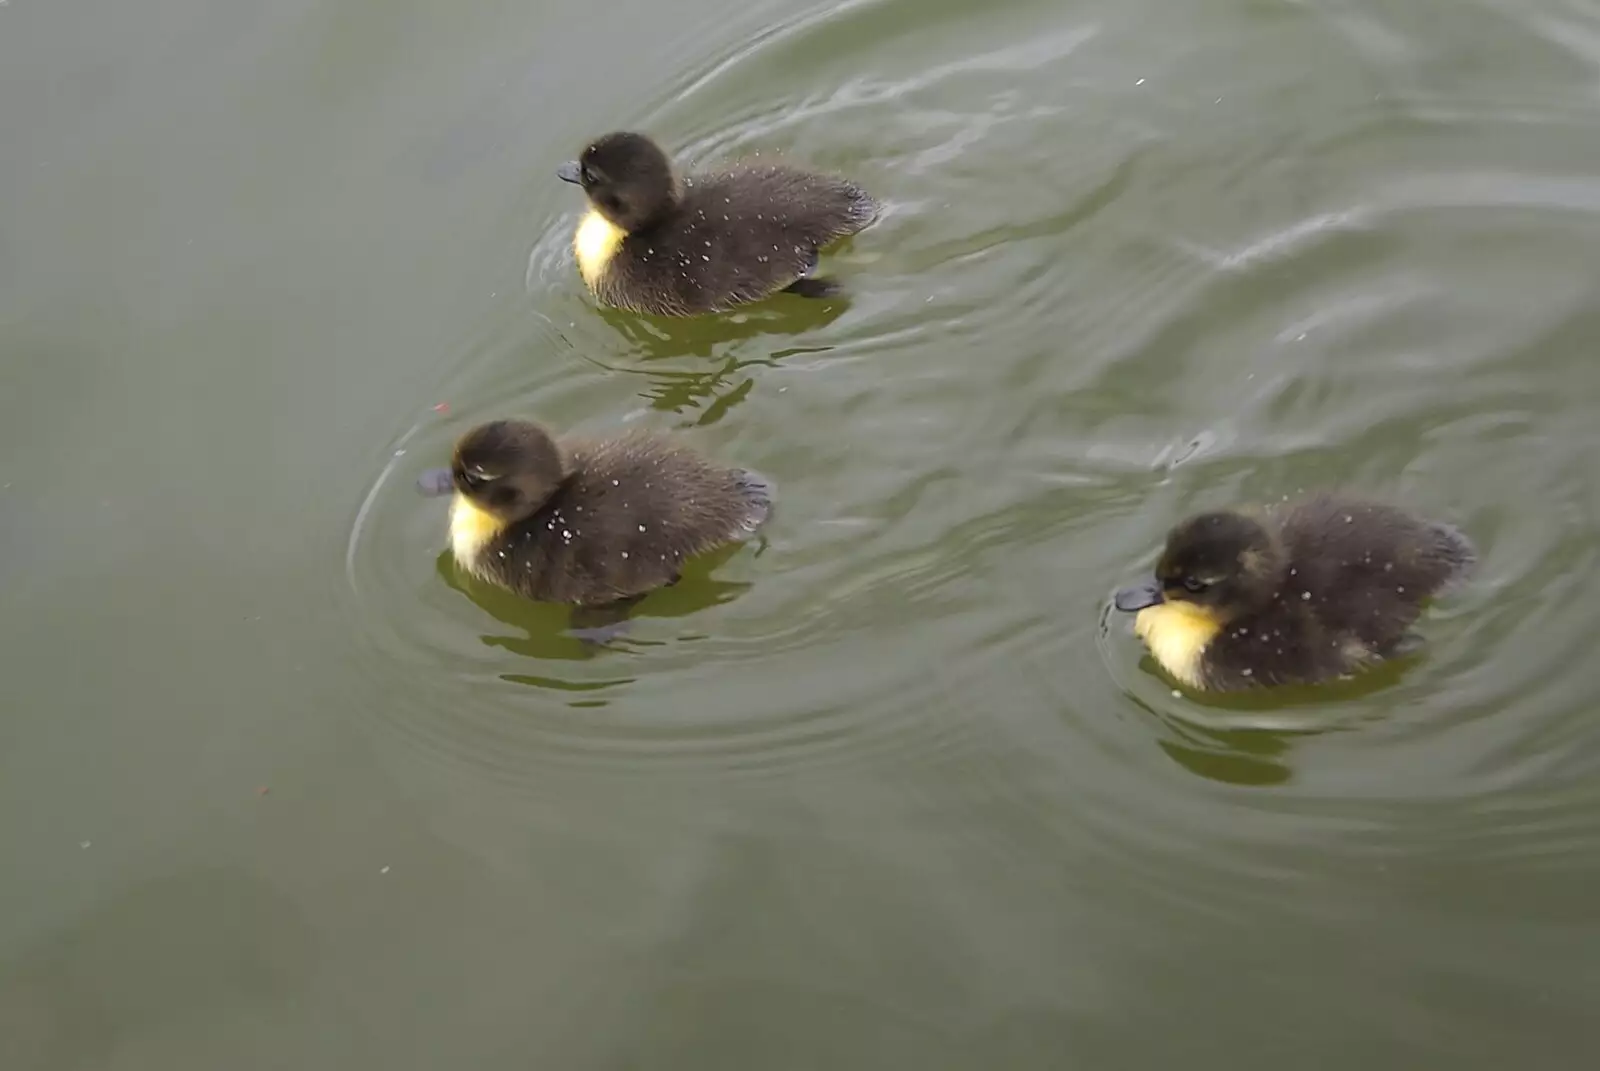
(1083,315)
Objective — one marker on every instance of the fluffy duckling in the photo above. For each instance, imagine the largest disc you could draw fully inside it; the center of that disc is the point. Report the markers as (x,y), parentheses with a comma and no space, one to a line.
(657,243)
(1291,594)
(589,522)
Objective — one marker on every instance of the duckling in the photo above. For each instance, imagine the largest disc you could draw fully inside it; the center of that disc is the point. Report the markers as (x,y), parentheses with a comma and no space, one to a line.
(588,522)
(656,243)
(1292,594)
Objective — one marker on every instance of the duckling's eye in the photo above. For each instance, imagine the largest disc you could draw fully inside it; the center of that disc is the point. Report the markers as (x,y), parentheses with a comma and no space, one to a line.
(1193,585)
(475,477)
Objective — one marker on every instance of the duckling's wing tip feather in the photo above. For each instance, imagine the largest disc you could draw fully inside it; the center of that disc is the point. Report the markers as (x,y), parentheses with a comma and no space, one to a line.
(865,209)
(1458,551)
(759,494)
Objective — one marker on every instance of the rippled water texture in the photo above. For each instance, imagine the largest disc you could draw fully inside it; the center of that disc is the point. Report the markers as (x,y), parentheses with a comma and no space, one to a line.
(890,787)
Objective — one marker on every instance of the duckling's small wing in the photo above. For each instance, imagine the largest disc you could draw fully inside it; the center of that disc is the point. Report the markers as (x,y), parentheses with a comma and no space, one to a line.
(807,205)
(1456,554)
(760,495)
(1366,567)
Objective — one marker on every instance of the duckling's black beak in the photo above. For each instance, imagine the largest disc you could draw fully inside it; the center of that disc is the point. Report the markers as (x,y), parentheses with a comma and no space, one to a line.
(1138,597)
(570,172)
(436,482)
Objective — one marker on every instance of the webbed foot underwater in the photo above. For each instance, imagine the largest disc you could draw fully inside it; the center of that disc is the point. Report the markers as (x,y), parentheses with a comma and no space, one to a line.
(1298,593)
(657,242)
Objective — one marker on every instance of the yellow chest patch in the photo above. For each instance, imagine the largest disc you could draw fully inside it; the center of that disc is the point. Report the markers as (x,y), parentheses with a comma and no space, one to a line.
(594,244)
(470,529)
(1177,634)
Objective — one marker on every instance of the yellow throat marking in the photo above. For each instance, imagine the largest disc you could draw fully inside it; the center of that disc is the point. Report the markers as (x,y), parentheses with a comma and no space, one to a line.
(594,244)
(470,529)
(1177,634)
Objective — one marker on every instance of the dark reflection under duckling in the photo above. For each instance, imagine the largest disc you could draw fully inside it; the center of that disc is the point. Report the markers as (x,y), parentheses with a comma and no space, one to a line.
(594,523)
(1292,594)
(659,243)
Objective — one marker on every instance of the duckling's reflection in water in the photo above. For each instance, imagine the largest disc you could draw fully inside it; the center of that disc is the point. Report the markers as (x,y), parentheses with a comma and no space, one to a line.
(659,338)
(554,631)
(1249,738)
(670,355)
(1250,759)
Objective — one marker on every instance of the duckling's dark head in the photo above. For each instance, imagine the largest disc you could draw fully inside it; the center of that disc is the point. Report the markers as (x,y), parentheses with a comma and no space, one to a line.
(507,468)
(1225,562)
(627,177)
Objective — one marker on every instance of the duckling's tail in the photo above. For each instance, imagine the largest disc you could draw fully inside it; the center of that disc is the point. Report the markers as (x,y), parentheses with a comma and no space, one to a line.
(815,286)
(1457,553)
(759,495)
(864,208)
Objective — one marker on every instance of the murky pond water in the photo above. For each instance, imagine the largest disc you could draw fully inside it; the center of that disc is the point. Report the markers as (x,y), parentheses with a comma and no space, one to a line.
(888,789)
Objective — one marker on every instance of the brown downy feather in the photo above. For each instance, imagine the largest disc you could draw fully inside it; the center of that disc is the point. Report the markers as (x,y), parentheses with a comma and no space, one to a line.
(711,241)
(619,519)
(1306,591)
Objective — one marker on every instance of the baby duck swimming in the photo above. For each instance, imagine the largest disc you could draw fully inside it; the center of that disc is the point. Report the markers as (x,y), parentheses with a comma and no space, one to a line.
(659,243)
(588,522)
(1291,594)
